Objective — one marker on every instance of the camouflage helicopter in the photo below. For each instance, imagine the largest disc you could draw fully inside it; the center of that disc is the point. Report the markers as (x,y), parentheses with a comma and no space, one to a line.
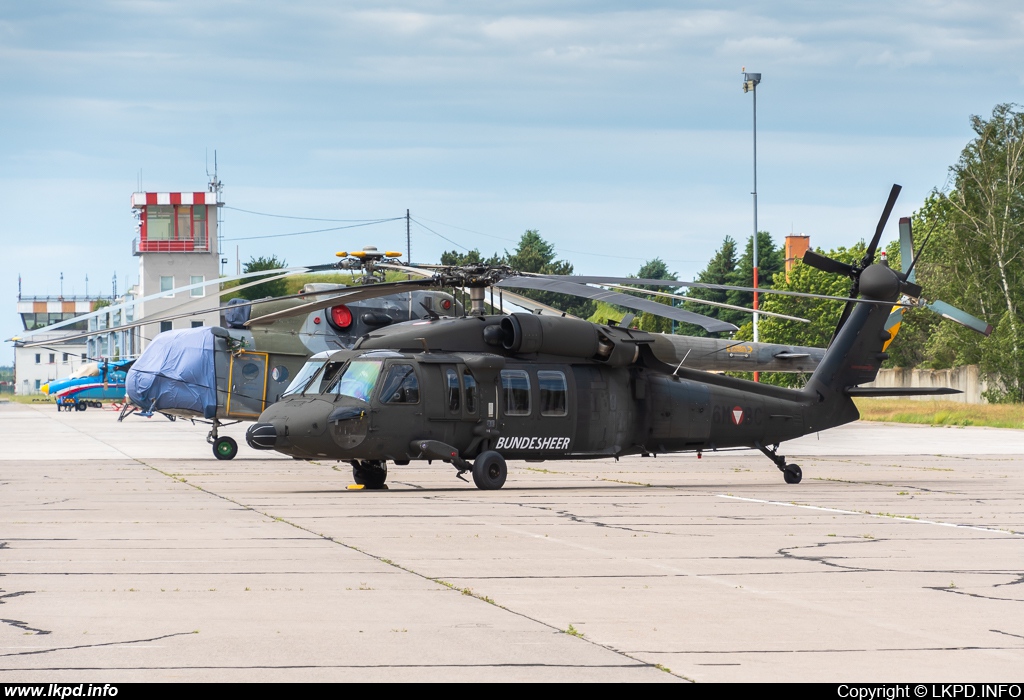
(477,390)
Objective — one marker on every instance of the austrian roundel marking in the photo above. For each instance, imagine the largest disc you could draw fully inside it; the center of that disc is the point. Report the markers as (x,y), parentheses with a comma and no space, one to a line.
(737,415)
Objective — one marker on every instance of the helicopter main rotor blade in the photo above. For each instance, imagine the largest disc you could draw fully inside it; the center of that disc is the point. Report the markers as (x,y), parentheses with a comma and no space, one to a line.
(707,302)
(532,304)
(547,284)
(406,270)
(168,317)
(370,291)
(580,279)
(284,271)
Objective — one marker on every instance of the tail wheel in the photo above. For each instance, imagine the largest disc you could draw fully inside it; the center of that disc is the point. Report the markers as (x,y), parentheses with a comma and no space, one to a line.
(792,474)
(225,448)
(489,471)
(371,475)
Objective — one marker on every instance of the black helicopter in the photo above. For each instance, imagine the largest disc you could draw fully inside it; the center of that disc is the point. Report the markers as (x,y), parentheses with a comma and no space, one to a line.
(478,390)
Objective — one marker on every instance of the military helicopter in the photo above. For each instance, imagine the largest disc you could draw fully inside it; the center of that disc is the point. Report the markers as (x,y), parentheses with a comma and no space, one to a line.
(477,390)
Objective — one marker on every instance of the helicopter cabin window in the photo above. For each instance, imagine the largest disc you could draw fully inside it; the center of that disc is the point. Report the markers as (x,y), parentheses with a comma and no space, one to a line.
(454,396)
(553,393)
(358,380)
(400,385)
(303,378)
(469,381)
(516,385)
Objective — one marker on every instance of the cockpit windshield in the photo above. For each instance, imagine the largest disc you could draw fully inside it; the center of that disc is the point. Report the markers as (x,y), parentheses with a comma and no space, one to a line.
(357,380)
(304,376)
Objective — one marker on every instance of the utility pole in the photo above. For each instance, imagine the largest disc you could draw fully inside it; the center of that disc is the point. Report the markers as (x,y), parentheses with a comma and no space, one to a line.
(408,248)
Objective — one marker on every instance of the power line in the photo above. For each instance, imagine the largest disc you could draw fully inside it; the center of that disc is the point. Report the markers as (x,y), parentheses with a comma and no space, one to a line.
(458,245)
(320,230)
(301,218)
(560,249)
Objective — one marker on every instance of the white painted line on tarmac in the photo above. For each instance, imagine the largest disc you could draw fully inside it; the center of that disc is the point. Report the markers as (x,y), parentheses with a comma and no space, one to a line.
(903,518)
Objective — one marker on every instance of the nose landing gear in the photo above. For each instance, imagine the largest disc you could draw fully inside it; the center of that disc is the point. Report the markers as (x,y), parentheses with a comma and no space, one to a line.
(223,446)
(370,474)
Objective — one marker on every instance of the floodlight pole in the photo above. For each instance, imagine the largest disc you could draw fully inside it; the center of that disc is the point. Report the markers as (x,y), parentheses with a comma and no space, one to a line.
(750,82)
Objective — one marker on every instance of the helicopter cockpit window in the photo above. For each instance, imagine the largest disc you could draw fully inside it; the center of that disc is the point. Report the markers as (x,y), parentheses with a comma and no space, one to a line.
(452,381)
(400,385)
(303,378)
(552,393)
(324,379)
(358,380)
(469,381)
(516,384)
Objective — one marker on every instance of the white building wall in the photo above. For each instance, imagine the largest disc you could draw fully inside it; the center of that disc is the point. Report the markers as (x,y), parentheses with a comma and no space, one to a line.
(56,363)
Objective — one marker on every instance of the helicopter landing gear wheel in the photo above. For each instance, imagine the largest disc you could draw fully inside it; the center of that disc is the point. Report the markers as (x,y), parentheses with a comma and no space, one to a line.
(792,474)
(225,448)
(370,474)
(489,471)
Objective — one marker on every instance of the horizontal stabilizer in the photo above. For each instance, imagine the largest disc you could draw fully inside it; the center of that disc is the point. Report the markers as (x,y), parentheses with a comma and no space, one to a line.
(875,391)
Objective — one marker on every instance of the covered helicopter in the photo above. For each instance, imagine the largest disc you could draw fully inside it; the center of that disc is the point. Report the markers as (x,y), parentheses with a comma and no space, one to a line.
(478,390)
(229,374)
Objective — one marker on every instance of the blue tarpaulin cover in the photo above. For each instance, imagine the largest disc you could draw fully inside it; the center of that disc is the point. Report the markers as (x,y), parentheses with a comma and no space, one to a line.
(177,371)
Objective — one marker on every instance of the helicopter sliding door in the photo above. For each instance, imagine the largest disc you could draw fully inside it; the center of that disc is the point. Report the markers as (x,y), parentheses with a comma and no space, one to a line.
(536,422)
(247,385)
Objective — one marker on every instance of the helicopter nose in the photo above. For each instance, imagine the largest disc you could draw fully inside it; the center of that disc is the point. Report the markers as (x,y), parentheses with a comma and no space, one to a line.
(261,436)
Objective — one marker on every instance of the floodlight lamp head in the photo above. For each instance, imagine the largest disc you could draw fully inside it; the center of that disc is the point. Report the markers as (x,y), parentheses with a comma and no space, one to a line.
(750,81)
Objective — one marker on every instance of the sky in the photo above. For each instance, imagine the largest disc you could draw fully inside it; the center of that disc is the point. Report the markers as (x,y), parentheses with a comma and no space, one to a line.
(620,131)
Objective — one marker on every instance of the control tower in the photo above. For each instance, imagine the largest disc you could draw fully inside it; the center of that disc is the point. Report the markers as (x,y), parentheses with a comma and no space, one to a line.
(177,246)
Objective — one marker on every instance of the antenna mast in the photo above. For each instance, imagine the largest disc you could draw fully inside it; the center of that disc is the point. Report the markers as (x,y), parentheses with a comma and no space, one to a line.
(215,185)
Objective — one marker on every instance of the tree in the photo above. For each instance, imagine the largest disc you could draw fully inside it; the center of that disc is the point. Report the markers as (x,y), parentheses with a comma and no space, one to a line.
(656,269)
(770,260)
(534,254)
(719,270)
(725,268)
(472,257)
(273,288)
(976,258)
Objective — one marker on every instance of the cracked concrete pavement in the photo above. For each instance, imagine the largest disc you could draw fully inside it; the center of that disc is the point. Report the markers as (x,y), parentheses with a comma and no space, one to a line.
(128,553)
